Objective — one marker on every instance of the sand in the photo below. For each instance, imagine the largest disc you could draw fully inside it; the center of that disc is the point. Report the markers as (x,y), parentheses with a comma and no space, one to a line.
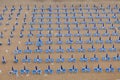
(7,51)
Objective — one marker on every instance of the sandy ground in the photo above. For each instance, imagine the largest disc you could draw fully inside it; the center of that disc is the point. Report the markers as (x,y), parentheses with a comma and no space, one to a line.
(7,51)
